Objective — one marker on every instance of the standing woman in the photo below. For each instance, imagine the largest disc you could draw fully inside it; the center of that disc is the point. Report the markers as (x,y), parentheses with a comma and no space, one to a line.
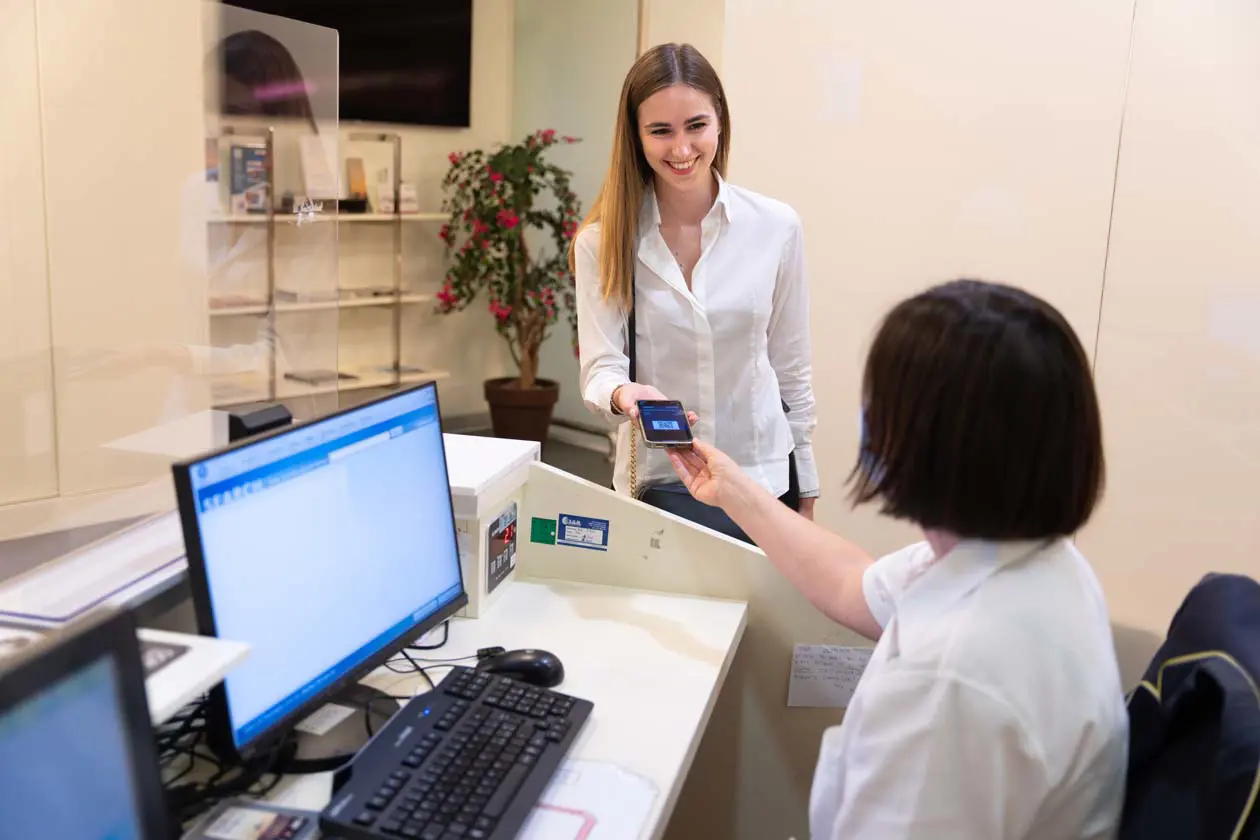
(693,289)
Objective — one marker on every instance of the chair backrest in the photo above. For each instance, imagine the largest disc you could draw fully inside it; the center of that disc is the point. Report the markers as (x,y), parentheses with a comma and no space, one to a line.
(1194,738)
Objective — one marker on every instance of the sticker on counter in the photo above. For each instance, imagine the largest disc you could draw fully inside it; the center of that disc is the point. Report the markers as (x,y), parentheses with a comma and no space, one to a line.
(542,531)
(582,532)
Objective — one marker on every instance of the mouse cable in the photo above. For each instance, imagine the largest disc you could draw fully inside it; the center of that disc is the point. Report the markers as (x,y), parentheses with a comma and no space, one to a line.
(446,636)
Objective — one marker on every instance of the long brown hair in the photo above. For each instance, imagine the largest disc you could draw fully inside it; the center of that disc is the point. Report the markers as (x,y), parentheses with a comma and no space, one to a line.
(617,206)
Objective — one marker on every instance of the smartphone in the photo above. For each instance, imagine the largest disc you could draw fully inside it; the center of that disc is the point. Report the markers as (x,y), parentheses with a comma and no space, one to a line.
(664,424)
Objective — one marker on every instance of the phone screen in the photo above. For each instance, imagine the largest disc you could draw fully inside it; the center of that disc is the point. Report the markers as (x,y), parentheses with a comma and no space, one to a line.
(664,422)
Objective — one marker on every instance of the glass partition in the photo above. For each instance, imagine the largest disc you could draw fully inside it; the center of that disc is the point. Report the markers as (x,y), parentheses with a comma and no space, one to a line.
(170,250)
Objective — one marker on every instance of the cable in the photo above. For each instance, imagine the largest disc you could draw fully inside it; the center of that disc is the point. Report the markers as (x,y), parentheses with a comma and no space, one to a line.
(420,670)
(446,635)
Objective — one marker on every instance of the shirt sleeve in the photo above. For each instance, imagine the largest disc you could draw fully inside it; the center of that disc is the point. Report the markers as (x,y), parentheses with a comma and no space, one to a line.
(886,580)
(790,355)
(935,757)
(601,332)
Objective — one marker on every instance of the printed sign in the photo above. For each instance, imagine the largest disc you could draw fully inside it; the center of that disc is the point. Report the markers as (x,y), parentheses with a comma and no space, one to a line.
(582,532)
(500,548)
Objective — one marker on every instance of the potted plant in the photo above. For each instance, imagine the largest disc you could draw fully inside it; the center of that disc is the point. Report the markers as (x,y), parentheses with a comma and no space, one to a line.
(512,215)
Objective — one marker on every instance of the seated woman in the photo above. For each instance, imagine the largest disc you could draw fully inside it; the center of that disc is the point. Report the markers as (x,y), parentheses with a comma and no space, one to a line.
(992,705)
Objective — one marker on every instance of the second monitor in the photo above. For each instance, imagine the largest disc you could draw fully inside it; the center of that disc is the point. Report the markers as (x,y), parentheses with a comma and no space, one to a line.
(327,547)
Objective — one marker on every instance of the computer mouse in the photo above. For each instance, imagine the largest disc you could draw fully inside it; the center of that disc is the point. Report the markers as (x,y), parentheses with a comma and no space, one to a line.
(536,667)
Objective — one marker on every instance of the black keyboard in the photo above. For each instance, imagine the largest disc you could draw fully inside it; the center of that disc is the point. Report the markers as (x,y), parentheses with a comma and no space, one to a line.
(465,762)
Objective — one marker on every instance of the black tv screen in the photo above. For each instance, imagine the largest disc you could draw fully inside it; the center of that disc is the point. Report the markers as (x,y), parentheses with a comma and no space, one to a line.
(401,61)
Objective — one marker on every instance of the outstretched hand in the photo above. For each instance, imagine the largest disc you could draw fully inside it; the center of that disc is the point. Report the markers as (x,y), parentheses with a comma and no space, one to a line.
(708,473)
(628,396)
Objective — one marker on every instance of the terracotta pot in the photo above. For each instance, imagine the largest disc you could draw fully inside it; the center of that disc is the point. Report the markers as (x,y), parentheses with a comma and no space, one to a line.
(521,414)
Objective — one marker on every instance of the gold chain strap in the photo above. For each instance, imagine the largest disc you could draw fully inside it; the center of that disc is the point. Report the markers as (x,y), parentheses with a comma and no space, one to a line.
(634,460)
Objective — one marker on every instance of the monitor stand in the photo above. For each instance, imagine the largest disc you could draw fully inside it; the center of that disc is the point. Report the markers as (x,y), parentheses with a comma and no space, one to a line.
(322,747)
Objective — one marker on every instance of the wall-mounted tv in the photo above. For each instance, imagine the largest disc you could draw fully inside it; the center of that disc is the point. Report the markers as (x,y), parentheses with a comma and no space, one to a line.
(401,61)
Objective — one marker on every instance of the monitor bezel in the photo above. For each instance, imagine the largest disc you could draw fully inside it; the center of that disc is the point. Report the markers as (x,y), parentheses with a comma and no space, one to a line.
(220,734)
(106,632)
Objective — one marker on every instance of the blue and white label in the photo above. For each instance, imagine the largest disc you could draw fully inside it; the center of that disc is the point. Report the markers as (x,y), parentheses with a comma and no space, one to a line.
(582,532)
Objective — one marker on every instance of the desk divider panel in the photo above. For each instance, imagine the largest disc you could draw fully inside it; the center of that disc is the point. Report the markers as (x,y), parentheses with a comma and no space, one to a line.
(752,771)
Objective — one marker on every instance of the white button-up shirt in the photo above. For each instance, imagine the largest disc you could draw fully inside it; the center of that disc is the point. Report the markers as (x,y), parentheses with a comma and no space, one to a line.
(729,348)
(991,709)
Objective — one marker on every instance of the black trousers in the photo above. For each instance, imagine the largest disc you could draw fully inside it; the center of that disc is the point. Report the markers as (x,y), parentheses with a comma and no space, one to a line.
(675,499)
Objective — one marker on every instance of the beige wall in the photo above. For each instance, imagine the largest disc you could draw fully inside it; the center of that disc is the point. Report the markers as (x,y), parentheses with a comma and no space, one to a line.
(1179,350)
(919,145)
(28,465)
(696,22)
(121,140)
(598,36)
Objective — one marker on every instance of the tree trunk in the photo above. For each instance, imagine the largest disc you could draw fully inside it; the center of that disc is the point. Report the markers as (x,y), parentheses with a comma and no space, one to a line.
(529,366)
(529,334)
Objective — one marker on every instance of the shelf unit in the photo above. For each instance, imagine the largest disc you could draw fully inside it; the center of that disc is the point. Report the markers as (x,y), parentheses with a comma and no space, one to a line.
(241,388)
(341,219)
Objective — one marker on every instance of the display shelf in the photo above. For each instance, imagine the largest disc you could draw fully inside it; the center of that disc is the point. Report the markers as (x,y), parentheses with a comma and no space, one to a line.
(341,218)
(286,295)
(245,388)
(317,305)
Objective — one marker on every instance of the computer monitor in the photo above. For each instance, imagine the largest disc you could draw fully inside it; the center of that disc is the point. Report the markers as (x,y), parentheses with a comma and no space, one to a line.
(78,760)
(327,547)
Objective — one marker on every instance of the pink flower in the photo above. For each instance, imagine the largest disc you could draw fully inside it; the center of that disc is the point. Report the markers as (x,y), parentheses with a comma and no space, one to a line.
(445,234)
(566,138)
(570,229)
(508,219)
(454,158)
(446,297)
(500,310)
(549,136)
(496,177)
(479,227)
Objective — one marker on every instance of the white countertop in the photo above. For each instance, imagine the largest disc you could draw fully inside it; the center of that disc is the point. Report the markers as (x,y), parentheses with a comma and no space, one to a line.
(652,664)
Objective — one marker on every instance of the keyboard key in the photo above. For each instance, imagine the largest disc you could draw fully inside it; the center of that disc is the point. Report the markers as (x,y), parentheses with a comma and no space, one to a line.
(391,827)
(377,803)
(507,789)
(433,832)
(366,818)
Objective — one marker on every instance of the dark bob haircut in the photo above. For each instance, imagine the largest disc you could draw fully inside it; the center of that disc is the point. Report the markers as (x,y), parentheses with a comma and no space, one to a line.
(980,416)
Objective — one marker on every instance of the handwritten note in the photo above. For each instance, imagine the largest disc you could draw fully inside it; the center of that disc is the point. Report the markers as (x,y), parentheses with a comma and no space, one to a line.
(825,676)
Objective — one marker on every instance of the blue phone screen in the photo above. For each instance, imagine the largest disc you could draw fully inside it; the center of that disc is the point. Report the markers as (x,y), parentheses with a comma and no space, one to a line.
(664,422)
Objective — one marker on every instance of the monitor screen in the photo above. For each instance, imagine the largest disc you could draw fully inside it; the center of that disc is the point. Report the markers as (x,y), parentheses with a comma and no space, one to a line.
(65,769)
(322,547)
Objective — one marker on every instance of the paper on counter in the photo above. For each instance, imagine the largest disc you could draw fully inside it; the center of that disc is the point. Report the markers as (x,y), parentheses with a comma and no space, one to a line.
(825,676)
(591,800)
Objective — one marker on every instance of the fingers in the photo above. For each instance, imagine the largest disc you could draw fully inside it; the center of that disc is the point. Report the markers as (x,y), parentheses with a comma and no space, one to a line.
(680,467)
(689,459)
(703,450)
(693,418)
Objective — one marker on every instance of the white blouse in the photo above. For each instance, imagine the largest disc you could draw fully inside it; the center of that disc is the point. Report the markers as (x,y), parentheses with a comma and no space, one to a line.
(732,348)
(992,708)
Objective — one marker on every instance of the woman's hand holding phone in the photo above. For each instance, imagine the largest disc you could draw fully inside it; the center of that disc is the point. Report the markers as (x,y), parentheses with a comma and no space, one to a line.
(627,398)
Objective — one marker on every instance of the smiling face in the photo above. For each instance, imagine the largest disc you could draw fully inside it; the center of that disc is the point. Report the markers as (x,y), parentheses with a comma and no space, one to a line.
(678,127)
